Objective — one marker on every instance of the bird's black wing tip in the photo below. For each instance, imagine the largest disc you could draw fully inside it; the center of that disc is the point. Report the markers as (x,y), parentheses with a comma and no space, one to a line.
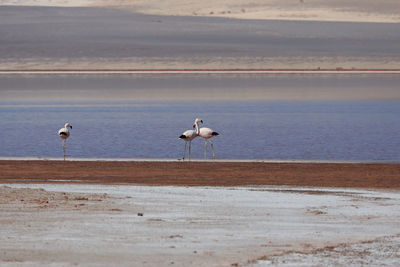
(214,134)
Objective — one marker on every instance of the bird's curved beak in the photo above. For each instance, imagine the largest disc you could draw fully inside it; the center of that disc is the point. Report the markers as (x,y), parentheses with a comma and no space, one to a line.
(70,126)
(201,121)
(194,125)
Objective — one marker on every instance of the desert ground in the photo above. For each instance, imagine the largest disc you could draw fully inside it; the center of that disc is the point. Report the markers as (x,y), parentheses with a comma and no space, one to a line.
(97,213)
(57,213)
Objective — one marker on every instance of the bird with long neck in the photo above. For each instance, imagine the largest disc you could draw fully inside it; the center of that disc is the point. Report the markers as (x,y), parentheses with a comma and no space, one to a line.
(188,136)
(206,133)
(64,133)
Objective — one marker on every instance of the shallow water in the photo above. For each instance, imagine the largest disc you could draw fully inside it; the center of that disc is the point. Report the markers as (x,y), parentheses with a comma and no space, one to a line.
(296,117)
(256,130)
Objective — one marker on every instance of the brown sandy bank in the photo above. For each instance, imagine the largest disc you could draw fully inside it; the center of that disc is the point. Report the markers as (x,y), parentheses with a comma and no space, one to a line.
(352,175)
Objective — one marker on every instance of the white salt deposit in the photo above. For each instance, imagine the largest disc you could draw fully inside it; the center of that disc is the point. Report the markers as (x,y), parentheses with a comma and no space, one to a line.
(195,226)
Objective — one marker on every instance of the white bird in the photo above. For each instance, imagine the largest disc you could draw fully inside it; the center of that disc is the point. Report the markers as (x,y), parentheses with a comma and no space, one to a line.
(207,133)
(63,133)
(189,135)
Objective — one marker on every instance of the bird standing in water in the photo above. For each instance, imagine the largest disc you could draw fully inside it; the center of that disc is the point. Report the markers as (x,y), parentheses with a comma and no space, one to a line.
(206,133)
(189,135)
(64,133)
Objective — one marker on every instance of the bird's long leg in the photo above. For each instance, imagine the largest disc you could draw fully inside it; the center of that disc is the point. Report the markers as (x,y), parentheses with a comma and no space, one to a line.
(184,151)
(212,148)
(190,144)
(205,150)
(64,148)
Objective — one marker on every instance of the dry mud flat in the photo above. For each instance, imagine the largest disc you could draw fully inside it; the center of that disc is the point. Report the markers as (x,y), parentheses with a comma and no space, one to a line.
(103,225)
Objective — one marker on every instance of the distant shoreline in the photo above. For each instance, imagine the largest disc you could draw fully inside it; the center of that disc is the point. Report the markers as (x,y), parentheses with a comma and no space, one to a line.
(206,70)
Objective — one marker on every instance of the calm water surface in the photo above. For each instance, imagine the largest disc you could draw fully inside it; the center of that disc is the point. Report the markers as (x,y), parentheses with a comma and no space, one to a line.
(321,129)
(249,130)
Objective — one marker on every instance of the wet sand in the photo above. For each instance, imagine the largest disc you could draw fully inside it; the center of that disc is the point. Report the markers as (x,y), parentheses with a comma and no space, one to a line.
(346,175)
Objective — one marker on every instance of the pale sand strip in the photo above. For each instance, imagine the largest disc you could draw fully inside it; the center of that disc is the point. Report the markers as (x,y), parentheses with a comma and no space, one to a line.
(316,10)
(206,62)
(214,71)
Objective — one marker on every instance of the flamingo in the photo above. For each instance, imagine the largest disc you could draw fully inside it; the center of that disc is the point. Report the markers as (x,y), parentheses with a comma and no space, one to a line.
(189,135)
(63,133)
(206,133)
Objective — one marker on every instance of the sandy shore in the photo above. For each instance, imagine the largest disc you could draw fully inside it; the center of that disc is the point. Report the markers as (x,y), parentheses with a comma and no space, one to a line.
(354,175)
(97,213)
(124,225)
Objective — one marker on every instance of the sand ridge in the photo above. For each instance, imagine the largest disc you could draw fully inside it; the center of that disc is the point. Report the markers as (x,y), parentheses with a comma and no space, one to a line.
(314,10)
